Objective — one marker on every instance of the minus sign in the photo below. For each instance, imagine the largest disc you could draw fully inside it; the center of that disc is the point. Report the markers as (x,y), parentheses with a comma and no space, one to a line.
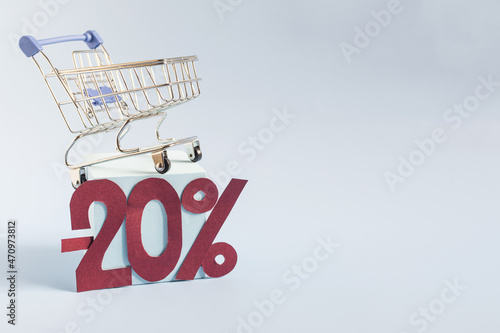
(12,272)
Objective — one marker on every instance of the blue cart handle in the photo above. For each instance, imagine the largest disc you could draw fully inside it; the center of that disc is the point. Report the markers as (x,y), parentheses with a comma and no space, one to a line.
(30,46)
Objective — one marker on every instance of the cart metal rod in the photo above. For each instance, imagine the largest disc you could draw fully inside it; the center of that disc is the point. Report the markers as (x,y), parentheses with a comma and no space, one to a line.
(125,65)
(115,157)
(127,91)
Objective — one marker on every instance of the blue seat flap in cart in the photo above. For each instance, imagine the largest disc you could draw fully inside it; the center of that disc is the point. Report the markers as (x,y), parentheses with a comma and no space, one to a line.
(104,91)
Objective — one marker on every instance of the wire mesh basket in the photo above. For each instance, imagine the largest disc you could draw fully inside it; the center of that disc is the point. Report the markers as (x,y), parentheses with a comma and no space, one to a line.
(99,96)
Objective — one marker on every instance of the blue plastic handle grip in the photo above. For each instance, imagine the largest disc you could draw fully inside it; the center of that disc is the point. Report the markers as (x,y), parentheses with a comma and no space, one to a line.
(31,46)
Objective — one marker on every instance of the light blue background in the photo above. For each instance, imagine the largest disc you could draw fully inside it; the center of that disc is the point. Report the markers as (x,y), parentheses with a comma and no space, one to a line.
(322,174)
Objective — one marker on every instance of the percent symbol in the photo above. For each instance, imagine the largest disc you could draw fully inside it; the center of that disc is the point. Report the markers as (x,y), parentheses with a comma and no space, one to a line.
(203,252)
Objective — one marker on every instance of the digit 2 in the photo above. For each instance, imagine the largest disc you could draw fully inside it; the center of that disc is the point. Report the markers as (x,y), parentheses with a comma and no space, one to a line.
(89,274)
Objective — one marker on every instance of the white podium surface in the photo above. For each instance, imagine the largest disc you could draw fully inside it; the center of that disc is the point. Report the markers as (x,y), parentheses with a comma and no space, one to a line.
(126,173)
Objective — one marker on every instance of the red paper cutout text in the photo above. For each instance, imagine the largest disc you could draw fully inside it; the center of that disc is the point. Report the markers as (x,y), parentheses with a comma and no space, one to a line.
(89,274)
(153,268)
(210,229)
(76,244)
(214,269)
(208,188)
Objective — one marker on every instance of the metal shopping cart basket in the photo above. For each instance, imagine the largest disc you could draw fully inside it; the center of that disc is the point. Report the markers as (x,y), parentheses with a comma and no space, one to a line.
(99,96)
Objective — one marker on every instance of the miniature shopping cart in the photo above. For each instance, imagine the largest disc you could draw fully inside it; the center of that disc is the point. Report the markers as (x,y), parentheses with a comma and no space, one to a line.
(99,96)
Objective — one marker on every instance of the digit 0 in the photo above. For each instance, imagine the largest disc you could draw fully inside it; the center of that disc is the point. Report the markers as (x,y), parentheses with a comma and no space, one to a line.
(153,268)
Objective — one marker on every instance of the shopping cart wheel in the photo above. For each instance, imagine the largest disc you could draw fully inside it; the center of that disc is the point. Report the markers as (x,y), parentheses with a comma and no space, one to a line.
(162,163)
(196,156)
(163,167)
(83,176)
(78,177)
(194,151)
